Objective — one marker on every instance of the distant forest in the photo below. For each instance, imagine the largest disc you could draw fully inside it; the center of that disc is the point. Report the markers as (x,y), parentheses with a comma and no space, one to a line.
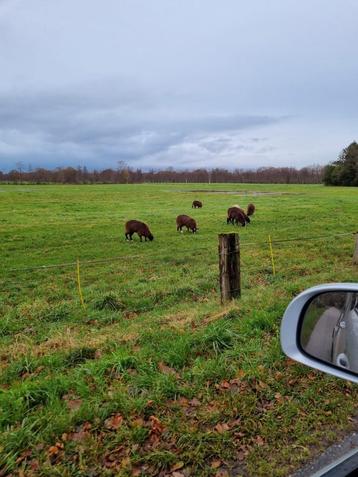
(126,175)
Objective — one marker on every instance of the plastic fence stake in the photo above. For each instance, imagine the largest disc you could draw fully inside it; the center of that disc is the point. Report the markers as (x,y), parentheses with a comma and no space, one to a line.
(272,258)
(79,284)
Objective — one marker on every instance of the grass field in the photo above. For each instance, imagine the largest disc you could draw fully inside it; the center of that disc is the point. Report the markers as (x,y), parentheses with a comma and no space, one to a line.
(153,376)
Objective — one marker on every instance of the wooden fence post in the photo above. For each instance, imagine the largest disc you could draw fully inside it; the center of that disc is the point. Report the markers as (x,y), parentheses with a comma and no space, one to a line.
(355,254)
(229,266)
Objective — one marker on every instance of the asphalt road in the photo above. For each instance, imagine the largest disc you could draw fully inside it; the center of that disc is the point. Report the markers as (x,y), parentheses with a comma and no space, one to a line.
(332,454)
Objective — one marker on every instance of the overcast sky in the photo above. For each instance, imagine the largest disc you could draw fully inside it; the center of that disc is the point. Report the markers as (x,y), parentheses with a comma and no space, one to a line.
(181,83)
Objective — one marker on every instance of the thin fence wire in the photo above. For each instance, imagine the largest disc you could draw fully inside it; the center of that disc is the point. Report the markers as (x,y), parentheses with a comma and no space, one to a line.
(243,243)
(157,256)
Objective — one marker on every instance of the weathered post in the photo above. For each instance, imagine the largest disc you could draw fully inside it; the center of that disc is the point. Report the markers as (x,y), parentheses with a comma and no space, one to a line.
(355,254)
(229,266)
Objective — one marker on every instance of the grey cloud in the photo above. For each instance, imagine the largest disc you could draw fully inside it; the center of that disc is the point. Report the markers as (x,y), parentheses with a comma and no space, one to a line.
(101,126)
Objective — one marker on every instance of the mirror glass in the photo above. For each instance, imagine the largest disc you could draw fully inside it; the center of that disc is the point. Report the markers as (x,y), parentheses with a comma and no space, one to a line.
(329,329)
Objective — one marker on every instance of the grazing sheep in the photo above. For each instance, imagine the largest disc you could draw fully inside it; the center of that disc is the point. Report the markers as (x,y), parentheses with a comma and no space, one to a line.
(186,221)
(235,216)
(251,209)
(196,204)
(135,226)
(236,208)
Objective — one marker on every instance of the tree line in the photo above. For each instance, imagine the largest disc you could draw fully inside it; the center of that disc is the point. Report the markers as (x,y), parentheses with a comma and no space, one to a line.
(344,171)
(127,175)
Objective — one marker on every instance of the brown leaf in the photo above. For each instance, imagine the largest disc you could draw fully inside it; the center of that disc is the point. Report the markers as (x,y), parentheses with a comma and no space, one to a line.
(73,402)
(183,401)
(79,436)
(259,441)
(34,464)
(177,466)
(194,402)
(221,428)
(235,422)
(113,422)
(138,422)
(279,397)
(53,450)
(167,369)
(156,426)
(178,474)
(23,456)
(215,464)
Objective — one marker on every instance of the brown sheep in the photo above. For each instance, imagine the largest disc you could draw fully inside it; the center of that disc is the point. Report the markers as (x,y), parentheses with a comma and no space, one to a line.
(186,221)
(135,226)
(196,204)
(236,208)
(234,215)
(251,209)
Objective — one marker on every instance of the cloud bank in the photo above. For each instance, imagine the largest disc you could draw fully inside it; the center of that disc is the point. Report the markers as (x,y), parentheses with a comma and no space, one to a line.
(185,84)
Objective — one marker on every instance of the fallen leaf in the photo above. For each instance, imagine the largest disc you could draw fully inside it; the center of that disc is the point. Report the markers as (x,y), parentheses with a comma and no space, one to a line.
(177,466)
(79,436)
(167,369)
(53,450)
(34,464)
(194,402)
(138,422)
(113,422)
(215,464)
(221,428)
(23,456)
(156,426)
(73,402)
(279,397)
(183,401)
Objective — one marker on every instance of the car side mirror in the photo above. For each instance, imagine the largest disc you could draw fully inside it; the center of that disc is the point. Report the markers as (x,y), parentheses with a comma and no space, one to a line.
(320,329)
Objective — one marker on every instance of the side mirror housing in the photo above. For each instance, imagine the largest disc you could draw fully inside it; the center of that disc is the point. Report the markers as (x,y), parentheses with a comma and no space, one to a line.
(320,329)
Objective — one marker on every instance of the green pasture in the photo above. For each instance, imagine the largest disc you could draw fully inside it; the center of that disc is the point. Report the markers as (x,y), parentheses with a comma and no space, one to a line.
(153,376)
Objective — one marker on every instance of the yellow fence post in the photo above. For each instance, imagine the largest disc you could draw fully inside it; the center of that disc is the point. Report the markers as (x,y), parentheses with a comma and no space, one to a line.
(272,259)
(79,284)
